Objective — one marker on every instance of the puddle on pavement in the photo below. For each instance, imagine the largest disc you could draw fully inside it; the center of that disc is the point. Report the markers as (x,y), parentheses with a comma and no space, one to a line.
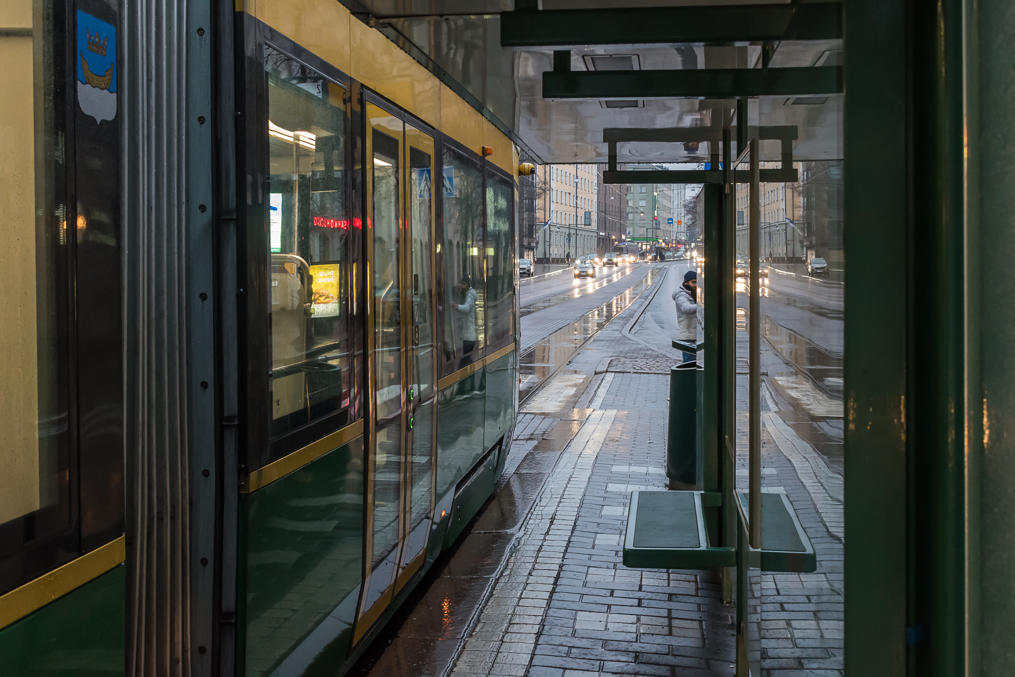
(558,437)
(511,502)
(543,359)
(537,463)
(423,636)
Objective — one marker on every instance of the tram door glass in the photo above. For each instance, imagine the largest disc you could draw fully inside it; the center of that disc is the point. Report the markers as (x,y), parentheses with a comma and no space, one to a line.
(421,390)
(308,233)
(385,131)
(35,487)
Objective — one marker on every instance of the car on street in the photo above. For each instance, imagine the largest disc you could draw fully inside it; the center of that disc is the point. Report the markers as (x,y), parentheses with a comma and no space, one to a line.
(525,267)
(817,266)
(610,260)
(744,269)
(584,269)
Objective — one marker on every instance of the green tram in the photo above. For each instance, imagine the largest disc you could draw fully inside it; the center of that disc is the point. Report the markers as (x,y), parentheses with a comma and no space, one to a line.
(261,360)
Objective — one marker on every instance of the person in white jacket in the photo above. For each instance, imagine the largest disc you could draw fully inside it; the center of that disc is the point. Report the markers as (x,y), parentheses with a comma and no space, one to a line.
(686,301)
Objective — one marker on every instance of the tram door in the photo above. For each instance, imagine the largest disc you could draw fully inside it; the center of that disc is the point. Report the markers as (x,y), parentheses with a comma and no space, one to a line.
(400,343)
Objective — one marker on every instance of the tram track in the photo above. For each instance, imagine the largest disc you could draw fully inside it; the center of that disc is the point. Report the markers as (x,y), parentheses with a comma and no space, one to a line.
(539,363)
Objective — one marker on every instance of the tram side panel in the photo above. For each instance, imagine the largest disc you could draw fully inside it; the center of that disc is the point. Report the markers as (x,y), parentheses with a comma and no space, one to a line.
(306,510)
(304,561)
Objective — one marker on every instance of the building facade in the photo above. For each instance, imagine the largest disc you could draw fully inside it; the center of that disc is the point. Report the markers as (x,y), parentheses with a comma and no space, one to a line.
(612,214)
(650,214)
(528,198)
(566,212)
(782,230)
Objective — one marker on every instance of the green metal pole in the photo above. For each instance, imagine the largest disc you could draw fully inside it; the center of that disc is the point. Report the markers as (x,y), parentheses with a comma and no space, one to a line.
(727,356)
(876,235)
(943,396)
(754,354)
(710,390)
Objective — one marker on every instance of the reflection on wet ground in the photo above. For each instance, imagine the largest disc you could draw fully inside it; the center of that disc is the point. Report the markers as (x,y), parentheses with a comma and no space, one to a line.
(812,387)
(543,360)
(805,304)
(424,635)
(808,358)
(557,437)
(578,288)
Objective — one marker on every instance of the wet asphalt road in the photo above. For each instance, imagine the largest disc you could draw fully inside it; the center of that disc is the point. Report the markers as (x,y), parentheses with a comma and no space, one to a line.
(560,316)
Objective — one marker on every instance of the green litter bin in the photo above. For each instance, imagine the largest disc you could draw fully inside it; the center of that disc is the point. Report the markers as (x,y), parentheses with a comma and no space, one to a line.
(682,438)
(682,434)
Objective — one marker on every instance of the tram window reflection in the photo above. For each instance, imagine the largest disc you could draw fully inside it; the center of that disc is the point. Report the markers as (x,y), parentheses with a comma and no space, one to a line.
(464,281)
(35,488)
(500,269)
(308,227)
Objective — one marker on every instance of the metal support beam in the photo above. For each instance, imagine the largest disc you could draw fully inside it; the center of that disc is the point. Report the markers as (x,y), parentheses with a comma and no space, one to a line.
(667,25)
(705,176)
(714,83)
(741,130)
(684,134)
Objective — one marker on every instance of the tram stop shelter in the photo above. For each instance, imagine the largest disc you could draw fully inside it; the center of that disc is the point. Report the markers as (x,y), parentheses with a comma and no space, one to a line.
(734,96)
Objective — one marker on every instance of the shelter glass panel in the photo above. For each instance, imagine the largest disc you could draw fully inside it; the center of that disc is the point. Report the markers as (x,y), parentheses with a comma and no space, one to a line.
(312,369)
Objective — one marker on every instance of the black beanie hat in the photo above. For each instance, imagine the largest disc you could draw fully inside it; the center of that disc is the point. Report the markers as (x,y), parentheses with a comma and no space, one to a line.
(690,275)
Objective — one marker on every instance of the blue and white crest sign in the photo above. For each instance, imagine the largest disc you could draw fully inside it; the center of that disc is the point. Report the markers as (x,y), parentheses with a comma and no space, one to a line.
(96,67)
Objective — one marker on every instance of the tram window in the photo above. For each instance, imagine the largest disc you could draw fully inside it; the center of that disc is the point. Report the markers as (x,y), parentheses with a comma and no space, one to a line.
(312,369)
(38,473)
(500,288)
(463,301)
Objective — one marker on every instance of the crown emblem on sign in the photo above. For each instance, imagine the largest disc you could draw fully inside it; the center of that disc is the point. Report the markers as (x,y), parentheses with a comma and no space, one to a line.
(96,43)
